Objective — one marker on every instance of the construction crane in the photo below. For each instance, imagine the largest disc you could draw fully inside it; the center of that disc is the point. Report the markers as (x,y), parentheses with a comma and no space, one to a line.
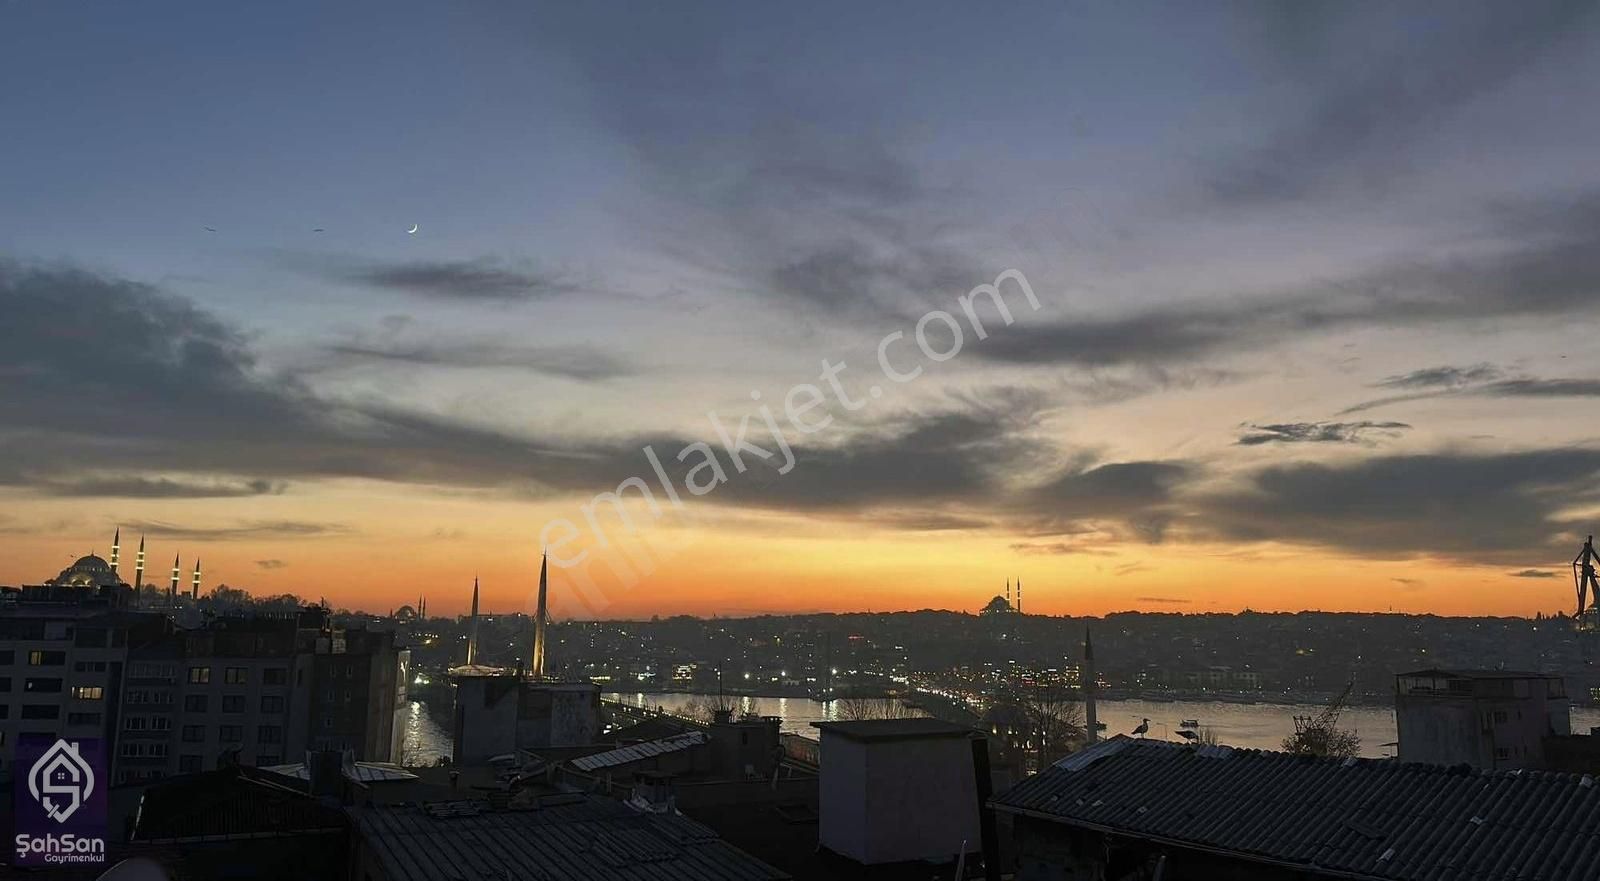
(1583,577)
(1319,735)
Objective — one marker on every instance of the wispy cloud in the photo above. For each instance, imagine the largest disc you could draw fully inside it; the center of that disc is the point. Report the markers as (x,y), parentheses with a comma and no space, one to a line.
(1320,433)
(249,529)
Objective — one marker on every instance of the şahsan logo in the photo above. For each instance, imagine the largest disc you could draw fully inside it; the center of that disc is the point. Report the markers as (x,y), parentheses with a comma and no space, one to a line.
(60,804)
(58,774)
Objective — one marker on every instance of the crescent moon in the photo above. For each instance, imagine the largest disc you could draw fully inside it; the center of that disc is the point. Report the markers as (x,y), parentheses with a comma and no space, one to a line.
(414,228)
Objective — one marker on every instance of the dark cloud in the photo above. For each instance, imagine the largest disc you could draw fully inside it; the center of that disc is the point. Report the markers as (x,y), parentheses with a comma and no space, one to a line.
(584,363)
(1374,78)
(248,529)
(161,488)
(1163,600)
(484,279)
(1532,573)
(1536,276)
(271,564)
(1442,377)
(1128,500)
(1320,432)
(1446,382)
(1453,505)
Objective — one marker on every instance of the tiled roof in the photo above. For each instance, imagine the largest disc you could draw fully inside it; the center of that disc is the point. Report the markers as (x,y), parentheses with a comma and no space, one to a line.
(563,837)
(626,754)
(360,772)
(1367,818)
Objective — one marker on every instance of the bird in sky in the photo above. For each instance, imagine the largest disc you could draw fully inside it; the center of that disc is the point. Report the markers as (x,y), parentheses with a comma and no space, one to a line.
(1144,728)
(318,229)
(210,229)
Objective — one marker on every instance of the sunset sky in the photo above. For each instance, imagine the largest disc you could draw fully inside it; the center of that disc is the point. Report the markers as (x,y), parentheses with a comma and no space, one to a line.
(1318,292)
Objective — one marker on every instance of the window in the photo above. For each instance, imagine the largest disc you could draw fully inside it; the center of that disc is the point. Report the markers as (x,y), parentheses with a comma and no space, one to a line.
(83,718)
(233,703)
(160,723)
(199,675)
(41,685)
(269,734)
(274,676)
(1499,717)
(1501,752)
(194,703)
(88,692)
(188,764)
(46,659)
(89,666)
(138,696)
(5,711)
(5,683)
(136,723)
(231,733)
(41,711)
(235,675)
(8,657)
(161,697)
(147,670)
(194,734)
(271,703)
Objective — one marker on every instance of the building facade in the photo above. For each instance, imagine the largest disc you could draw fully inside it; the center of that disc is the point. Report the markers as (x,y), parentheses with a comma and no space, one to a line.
(1492,719)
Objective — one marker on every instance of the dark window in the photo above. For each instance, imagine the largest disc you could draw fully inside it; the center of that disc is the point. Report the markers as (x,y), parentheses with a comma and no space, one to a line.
(41,685)
(1499,716)
(5,711)
(274,676)
(194,703)
(269,734)
(188,764)
(235,675)
(5,683)
(41,711)
(90,637)
(8,657)
(231,733)
(83,718)
(271,703)
(46,659)
(194,734)
(233,703)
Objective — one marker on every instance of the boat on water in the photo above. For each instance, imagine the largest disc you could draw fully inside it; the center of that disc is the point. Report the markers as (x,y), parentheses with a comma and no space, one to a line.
(1189,723)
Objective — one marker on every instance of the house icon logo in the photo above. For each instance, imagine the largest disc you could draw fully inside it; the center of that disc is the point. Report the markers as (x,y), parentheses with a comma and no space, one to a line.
(61,781)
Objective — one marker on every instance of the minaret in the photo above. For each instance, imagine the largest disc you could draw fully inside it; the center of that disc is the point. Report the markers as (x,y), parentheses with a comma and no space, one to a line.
(1090,720)
(1008,593)
(116,550)
(536,660)
(138,573)
(194,590)
(172,589)
(418,607)
(472,629)
(1019,596)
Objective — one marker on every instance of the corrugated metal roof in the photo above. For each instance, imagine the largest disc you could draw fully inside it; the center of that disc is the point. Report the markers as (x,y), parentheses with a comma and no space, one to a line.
(1374,818)
(588,838)
(624,755)
(361,772)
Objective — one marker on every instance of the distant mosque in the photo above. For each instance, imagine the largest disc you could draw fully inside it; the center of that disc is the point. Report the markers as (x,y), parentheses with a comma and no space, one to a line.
(93,572)
(1004,604)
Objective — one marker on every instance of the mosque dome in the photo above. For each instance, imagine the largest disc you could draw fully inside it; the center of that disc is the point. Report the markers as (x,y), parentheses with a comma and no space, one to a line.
(89,571)
(996,606)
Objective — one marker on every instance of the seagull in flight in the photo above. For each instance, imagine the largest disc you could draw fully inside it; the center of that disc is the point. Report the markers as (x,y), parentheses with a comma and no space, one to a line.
(318,229)
(1144,728)
(210,229)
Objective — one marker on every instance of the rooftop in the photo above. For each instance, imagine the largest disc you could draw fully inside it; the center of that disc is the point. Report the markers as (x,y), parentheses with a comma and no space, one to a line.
(868,730)
(626,754)
(554,837)
(1365,818)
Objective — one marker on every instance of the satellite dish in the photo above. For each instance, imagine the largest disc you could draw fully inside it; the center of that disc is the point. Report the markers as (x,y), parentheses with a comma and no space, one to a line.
(136,869)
